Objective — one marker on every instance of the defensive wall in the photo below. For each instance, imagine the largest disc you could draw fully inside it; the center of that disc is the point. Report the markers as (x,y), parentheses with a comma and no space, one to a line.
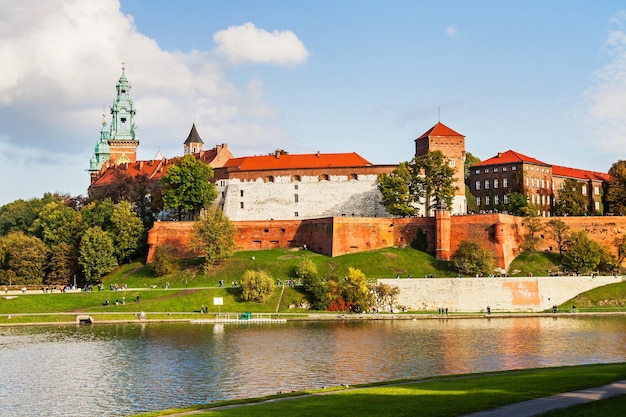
(334,236)
(530,294)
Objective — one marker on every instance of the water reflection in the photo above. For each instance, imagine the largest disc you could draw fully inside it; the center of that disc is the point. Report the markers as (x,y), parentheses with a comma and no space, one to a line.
(112,370)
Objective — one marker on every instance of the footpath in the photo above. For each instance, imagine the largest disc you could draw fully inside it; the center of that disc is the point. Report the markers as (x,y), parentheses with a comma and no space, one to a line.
(542,405)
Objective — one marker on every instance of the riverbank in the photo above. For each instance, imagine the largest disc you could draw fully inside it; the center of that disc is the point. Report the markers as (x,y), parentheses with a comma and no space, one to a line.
(234,318)
(476,395)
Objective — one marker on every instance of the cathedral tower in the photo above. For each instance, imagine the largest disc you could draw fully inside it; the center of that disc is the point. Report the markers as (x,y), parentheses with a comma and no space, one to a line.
(123,142)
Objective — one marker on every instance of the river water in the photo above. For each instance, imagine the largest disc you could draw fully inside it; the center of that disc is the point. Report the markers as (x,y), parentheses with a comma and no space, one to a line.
(117,370)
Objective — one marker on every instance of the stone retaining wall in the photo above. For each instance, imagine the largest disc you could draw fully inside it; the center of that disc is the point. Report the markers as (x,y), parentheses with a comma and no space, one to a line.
(530,294)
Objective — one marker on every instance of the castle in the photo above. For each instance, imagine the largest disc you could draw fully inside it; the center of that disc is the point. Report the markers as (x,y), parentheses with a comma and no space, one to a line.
(331,201)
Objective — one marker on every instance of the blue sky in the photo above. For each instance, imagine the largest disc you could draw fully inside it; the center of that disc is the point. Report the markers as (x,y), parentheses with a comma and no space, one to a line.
(547,79)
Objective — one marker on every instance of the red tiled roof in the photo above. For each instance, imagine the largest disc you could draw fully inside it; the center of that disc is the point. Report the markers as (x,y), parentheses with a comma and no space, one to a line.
(580,174)
(288,161)
(509,157)
(439,130)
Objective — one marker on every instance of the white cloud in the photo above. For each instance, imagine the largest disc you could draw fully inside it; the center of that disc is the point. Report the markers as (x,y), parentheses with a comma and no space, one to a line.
(247,43)
(607,98)
(451,31)
(61,60)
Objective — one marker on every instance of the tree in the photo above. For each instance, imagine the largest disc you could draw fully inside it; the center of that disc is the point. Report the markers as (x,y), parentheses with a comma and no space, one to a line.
(471,259)
(620,243)
(126,230)
(58,223)
(438,179)
(21,215)
(62,265)
(570,201)
(165,261)
(428,176)
(306,270)
(386,295)
(469,161)
(24,259)
(399,190)
(518,204)
(99,213)
(256,286)
(583,254)
(355,292)
(96,254)
(533,226)
(559,230)
(616,193)
(213,234)
(187,187)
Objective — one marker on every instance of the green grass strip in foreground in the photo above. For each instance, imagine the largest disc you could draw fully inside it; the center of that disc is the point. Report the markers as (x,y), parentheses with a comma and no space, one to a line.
(431,397)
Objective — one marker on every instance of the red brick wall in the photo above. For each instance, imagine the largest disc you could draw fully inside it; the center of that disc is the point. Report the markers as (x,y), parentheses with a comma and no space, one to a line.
(334,236)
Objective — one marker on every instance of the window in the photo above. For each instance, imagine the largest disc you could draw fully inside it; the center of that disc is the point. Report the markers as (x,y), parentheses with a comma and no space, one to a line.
(496,199)
(505,182)
(451,162)
(486,184)
(527,182)
(505,199)
(295,214)
(296,178)
(495,183)
(295,198)
(353,177)
(269,178)
(324,177)
(543,184)
(503,169)
(533,199)
(513,168)
(596,190)
(597,205)
(241,204)
(478,201)
(487,200)
(295,187)
(241,193)
(477,185)
(486,170)
(584,190)
(495,170)
(478,171)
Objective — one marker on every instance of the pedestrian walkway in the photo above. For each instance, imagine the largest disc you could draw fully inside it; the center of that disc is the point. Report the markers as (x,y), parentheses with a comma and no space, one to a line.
(538,406)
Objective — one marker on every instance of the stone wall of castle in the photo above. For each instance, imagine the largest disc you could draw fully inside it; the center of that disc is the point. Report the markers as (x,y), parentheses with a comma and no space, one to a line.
(307,197)
(334,236)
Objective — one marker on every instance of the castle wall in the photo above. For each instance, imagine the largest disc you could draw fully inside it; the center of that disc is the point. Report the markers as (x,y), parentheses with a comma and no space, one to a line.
(500,294)
(307,197)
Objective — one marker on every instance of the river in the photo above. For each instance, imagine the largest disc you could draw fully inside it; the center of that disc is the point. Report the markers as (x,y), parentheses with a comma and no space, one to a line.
(117,370)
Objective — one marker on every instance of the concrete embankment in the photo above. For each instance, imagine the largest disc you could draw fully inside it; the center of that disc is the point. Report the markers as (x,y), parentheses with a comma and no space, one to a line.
(526,294)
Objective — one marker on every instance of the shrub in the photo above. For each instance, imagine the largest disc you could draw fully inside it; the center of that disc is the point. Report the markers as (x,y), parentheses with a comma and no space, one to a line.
(256,286)
(165,261)
(470,258)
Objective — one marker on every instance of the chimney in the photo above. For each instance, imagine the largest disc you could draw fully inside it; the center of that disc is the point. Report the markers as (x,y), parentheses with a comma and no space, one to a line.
(277,154)
(317,154)
(140,165)
(499,154)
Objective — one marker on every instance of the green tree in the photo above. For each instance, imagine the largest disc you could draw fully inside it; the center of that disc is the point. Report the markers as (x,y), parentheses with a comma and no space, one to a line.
(356,293)
(98,213)
(583,254)
(470,258)
(21,214)
(306,269)
(187,187)
(165,261)
(399,190)
(438,179)
(559,231)
(570,201)
(62,265)
(214,235)
(518,204)
(96,254)
(256,286)
(469,161)
(386,295)
(616,192)
(127,230)
(532,238)
(58,223)
(24,259)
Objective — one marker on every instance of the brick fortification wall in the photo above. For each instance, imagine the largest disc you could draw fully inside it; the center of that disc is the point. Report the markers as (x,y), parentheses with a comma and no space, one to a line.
(334,236)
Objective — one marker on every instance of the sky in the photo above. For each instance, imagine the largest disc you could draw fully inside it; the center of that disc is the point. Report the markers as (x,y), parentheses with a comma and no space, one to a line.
(544,78)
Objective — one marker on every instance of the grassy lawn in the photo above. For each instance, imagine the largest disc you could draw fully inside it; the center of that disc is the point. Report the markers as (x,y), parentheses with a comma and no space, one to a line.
(432,397)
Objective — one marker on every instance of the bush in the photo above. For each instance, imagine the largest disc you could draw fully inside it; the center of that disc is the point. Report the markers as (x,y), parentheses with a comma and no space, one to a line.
(256,286)
(165,261)
(470,258)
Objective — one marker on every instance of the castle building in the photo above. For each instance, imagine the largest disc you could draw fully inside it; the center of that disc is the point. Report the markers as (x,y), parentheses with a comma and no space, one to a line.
(452,144)
(117,144)
(277,186)
(492,180)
